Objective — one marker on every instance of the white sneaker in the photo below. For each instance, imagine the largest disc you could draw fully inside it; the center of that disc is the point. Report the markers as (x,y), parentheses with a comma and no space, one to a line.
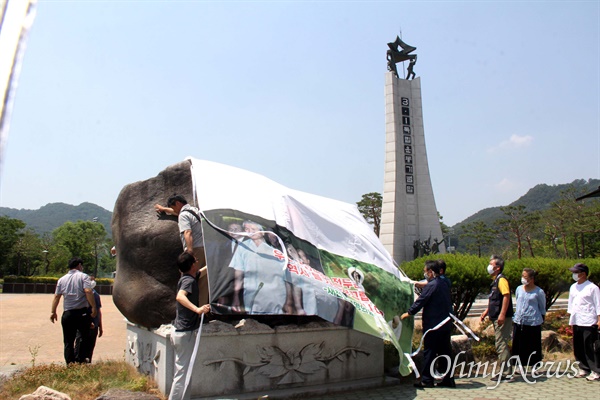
(582,373)
(594,376)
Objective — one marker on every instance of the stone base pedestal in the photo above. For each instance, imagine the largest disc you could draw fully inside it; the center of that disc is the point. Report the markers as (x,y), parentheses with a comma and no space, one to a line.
(251,359)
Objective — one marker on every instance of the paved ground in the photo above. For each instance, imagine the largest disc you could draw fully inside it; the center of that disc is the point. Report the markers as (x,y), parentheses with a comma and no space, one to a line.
(476,389)
(25,325)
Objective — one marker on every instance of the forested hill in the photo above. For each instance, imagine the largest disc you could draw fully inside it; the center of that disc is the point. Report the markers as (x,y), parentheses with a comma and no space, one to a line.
(537,198)
(53,215)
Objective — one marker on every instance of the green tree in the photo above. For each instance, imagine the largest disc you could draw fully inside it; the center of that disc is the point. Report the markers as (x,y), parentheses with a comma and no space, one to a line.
(445,228)
(481,235)
(557,223)
(10,233)
(572,228)
(370,208)
(27,254)
(586,228)
(83,239)
(517,226)
(47,242)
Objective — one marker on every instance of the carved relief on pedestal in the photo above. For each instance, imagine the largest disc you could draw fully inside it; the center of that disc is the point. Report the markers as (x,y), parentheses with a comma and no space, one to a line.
(289,366)
(143,356)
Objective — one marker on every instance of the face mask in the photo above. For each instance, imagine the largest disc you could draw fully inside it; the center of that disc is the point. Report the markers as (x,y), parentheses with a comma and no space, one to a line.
(93,283)
(490,269)
(524,281)
(425,275)
(575,277)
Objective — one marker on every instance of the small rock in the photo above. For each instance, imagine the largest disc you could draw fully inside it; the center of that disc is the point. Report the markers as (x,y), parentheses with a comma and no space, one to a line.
(252,326)
(489,331)
(219,327)
(45,393)
(462,343)
(550,341)
(564,345)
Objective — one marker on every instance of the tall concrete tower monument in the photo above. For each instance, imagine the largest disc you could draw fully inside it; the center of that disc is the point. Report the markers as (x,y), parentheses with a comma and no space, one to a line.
(409,222)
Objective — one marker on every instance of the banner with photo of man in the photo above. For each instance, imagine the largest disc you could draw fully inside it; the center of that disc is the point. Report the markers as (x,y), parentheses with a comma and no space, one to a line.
(271,250)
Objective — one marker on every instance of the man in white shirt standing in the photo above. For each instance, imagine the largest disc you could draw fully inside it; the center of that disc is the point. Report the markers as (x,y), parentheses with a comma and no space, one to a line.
(584,307)
(77,289)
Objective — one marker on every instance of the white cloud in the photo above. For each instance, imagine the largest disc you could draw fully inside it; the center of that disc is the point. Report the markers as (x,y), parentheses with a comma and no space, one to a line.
(514,142)
(505,186)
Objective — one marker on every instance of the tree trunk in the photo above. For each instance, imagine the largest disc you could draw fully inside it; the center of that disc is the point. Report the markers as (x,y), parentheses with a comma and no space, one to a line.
(528,238)
(566,250)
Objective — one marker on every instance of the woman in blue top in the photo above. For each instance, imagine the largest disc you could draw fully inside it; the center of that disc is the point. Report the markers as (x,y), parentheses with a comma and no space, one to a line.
(527,320)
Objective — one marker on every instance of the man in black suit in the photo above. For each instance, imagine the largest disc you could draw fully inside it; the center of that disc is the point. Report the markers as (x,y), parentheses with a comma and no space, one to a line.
(437,305)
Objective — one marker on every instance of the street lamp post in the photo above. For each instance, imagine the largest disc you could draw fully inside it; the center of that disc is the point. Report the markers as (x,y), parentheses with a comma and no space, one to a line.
(95,219)
(47,262)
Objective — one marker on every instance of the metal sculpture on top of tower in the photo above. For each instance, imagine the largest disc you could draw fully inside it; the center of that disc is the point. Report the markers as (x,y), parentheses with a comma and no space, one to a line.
(394,56)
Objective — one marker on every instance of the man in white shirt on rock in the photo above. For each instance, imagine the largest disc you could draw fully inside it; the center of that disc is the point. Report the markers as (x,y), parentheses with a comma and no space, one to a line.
(584,307)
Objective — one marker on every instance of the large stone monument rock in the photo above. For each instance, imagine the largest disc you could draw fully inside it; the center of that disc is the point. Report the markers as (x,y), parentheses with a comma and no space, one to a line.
(236,358)
(147,247)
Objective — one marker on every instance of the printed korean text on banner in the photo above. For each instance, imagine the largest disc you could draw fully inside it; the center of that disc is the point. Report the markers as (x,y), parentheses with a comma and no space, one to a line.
(271,250)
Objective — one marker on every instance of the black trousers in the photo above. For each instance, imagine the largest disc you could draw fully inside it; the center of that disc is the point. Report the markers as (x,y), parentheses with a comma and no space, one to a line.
(583,347)
(437,343)
(91,345)
(73,321)
(527,344)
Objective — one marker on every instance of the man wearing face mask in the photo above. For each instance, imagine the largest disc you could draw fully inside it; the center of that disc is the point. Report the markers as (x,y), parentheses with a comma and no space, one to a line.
(584,307)
(437,305)
(500,311)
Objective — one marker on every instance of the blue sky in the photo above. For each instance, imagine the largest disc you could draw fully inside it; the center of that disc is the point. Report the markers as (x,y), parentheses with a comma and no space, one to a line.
(112,92)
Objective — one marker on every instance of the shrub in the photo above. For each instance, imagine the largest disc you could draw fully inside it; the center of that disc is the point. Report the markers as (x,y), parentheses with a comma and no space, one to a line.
(30,279)
(485,349)
(104,281)
(554,320)
(47,279)
(558,321)
(553,277)
(470,278)
(467,273)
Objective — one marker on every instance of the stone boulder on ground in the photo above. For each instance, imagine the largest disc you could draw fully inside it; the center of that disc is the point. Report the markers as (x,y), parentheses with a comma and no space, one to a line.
(45,393)
(148,246)
(489,331)
(462,343)
(551,342)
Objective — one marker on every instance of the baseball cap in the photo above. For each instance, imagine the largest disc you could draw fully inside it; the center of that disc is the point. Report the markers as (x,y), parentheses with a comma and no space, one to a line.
(579,267)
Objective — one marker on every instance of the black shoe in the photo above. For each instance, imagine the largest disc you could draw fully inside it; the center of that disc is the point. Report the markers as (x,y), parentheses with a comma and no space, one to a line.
(423,385)
(449,383)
